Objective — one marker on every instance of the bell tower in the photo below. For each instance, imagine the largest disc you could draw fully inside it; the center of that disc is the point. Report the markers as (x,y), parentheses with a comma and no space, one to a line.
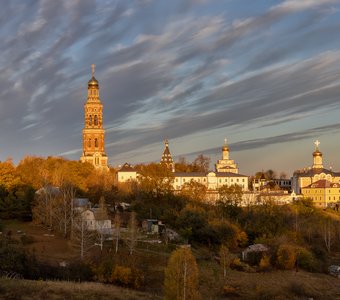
(93,132)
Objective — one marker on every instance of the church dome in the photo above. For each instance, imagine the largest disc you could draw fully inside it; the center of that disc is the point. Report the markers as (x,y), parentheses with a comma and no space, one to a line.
(93,82)
(317,153)
(225,148)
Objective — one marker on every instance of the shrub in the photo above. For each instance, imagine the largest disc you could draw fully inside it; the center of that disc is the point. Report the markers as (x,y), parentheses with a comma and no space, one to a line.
(236,264)
(306,260)
(121,275)
(286,257)
(229,290)
(264,264)
(127,277)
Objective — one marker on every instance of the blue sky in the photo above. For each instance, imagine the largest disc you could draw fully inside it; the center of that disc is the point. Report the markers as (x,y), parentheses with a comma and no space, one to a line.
(265,74)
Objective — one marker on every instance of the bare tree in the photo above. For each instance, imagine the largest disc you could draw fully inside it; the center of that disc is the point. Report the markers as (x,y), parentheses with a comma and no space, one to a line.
(328,234)
(224,259)
(131,239)
(83,238)
(103,228)
(117,224)
(45,204)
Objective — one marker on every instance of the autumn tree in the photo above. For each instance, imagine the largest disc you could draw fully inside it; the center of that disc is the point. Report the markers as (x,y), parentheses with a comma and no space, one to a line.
(230,200)
(183,166)
(8,175)
(181,276)
(201,163)
(194,190)
(156,180)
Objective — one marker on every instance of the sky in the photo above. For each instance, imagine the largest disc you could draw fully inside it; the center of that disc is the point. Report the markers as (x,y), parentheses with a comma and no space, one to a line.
(265,74)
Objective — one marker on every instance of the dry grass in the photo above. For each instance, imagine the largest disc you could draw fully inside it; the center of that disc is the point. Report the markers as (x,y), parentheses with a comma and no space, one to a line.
(46,246)
(46,290)
(273,285)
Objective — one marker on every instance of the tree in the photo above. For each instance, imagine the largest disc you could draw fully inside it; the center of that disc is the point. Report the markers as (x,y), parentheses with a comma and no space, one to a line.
(224,259)
(201,163)
(156,180)
(194,190)
(182,165)
(8,175)
(181,276)
(102,226)
(117,223)
(83,238)
(45,205)
(327,228)
(131,239)
(230,195)
(230,199)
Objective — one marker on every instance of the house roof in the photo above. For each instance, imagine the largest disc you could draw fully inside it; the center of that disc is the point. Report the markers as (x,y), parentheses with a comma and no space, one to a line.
(257,248)
(323,183)
(315,171)
(127,168)
(205,174)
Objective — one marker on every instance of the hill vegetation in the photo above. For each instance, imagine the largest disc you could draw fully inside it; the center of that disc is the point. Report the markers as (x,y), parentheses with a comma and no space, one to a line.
(302,240)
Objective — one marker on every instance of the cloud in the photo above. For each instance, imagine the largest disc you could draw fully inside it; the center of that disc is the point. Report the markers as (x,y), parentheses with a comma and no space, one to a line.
(260,143)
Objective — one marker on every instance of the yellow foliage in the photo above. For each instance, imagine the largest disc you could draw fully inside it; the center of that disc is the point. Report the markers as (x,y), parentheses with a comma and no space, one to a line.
(286,256)
(264,264)
(181,276)
(127,277)
(121,275)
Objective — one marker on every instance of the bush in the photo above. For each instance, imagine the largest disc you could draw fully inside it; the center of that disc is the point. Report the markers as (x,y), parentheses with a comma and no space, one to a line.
(286,257)
(306,260)
(229,290)
(264,264)
(127,277)
(237,265)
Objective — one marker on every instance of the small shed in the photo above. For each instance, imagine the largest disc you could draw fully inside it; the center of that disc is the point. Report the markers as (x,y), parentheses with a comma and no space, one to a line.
(254,253)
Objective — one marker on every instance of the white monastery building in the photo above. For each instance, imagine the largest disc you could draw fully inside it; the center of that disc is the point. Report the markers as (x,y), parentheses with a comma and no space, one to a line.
(226,172)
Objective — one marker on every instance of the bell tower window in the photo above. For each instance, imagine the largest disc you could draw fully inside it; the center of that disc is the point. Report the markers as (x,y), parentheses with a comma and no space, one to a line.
(90,120)
(95,120)
(89,143)
(96,142)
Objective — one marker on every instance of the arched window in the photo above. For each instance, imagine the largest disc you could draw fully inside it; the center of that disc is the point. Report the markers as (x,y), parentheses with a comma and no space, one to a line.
(96,142)
(90,120)
(95,120)
(89,143)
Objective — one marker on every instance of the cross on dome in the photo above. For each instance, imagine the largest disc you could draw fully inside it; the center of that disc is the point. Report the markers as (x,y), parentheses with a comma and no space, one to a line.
(316,143)
(93,67)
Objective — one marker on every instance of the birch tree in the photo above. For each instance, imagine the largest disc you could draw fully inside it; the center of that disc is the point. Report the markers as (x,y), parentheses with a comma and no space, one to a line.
(83,238)
(117,224)
(328,233)
(131,238)
(181,276)
(224,259)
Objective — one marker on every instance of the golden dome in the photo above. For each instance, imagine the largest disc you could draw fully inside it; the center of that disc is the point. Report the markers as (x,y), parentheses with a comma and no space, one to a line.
(93,82)
(317,153)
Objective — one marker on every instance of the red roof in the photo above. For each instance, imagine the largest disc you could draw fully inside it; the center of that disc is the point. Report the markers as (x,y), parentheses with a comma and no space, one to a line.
(323,183)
